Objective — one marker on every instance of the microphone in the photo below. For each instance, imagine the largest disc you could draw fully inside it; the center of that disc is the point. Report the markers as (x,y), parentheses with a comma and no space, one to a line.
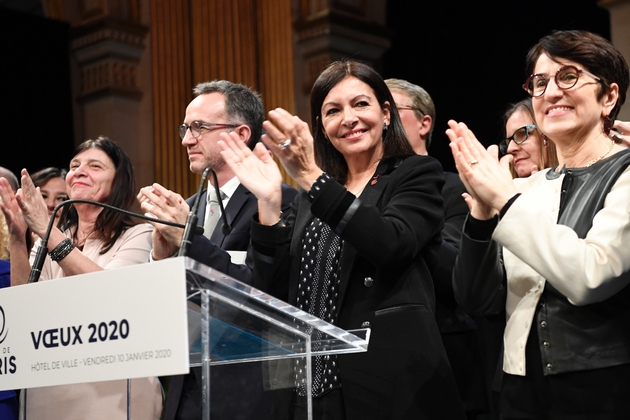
(191,221)
(40,256)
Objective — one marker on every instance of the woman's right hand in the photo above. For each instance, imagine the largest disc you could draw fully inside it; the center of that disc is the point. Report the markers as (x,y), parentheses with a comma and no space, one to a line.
(258,172)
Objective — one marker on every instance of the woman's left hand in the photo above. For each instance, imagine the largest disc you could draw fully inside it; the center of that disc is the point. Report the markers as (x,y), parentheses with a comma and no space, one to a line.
(487,178)
(290,139)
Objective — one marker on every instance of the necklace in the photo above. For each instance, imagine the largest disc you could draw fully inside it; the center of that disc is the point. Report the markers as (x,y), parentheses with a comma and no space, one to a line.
(612,144)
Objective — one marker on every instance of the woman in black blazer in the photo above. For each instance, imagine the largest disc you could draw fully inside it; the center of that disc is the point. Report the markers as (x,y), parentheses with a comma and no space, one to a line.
(358,248)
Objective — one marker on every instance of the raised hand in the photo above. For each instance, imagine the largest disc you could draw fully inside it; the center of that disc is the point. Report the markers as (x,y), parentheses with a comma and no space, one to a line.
(623,128)
(164,204)
(290,139)
(487,179)
(257,171)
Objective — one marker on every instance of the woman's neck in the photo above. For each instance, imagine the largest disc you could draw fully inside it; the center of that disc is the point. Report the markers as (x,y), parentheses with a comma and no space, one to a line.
(359,173)
(87,215)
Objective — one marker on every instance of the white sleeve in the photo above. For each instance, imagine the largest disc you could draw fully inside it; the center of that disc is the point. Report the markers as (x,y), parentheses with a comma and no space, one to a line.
(585,270)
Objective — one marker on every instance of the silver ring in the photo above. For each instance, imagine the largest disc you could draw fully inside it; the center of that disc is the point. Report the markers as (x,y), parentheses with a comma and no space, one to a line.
(285,144)
(238,163)
(616,136)
(474,162)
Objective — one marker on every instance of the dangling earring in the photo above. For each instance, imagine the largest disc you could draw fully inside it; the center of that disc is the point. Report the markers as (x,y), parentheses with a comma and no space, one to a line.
(608,123)
(545,141)
(385,127)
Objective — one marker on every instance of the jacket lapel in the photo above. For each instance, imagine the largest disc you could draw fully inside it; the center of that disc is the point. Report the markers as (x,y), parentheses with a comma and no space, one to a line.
(370,196)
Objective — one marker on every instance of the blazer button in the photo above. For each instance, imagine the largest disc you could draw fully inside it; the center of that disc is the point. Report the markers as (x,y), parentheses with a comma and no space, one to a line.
(365,324)
(368,282)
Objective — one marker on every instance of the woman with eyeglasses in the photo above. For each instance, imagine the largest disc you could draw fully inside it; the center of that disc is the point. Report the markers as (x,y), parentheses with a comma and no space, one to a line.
(531,151)
(552,249)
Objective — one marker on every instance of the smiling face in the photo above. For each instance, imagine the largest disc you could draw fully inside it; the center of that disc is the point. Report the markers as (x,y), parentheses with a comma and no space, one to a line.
(527,154)
(353,119)
(570,114)
(54,192)
(91,175)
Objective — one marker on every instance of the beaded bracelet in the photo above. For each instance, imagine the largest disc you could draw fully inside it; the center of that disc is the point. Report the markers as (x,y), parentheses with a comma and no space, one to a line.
(62,250)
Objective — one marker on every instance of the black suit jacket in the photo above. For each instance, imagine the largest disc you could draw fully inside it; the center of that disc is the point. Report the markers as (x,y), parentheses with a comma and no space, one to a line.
(236,390)
(391,240)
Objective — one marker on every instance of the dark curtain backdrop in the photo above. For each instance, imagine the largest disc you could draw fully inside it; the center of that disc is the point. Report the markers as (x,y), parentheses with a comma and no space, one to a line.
(35,99)
(470,55)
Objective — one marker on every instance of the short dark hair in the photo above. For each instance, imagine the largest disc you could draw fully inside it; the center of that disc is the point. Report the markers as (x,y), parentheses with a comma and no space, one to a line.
(110,224)
(242,105)
(42,176)
(592,51)
(395,143)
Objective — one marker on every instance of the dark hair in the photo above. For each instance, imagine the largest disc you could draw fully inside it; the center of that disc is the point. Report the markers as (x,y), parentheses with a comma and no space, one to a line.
(42,176)
(592,51)
(109,224)
(395,143)
(548,157)
(242,105)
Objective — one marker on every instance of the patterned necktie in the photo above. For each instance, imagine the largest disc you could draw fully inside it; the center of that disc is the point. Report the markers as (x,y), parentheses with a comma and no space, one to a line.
(213,212)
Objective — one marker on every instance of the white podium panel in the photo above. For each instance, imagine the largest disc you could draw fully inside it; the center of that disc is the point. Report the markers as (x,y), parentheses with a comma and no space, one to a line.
(113,324)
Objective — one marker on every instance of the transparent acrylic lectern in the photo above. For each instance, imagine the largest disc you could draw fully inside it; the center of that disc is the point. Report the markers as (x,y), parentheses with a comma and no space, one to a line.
(231,322)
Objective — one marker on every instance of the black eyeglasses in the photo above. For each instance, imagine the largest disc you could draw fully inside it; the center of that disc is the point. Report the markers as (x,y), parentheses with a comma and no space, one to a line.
(196,126)
(519,137)
(402,107)
(566,77)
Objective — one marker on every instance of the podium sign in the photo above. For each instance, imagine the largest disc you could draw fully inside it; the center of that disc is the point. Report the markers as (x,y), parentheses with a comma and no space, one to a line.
(114,324)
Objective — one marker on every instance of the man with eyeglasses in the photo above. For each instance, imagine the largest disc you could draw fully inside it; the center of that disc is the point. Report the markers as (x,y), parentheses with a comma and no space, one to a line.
(417,113)
(218,106)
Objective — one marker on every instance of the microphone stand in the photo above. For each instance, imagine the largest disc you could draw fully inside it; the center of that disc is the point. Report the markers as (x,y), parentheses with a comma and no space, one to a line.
(191,221)
(40,256)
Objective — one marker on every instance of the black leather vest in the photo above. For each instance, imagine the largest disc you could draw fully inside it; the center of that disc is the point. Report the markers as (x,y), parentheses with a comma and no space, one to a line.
(570,337)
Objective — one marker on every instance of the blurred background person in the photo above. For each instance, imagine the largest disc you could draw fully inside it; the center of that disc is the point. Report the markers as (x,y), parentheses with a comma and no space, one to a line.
(363,186)
(531,150)
(52,185)
(551,249)
(417,114)
(10,177)
(92,239)
(8,399)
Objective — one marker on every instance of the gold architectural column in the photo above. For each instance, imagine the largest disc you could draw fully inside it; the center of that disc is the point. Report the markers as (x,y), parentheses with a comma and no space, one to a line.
(111,92)
(244,41)
(620,36)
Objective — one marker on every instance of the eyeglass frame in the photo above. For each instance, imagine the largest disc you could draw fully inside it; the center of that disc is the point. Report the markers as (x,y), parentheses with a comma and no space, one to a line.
(201,125)
(505,143)
(403,107)
(577,79)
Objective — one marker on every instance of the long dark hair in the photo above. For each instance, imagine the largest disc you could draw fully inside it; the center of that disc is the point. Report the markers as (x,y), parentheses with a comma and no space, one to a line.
(395,143)
(109,224)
